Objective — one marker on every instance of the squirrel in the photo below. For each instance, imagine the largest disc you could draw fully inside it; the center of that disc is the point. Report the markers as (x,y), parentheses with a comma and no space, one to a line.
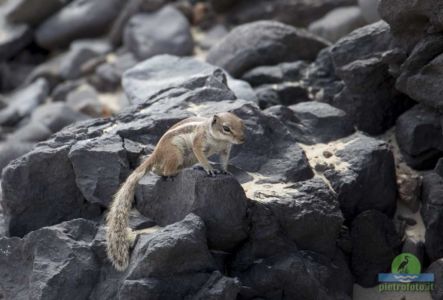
(188,142)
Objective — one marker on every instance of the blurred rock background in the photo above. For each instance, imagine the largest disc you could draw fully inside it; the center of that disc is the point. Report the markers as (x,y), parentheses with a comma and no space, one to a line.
(341,172)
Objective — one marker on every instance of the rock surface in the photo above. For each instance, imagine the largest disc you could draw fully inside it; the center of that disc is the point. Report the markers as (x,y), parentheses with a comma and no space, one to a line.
(366,178)
(369,95)
(166,31)
(418,133)
(165,72)
(220,202)
(78,19)
(263,43)
(375,243)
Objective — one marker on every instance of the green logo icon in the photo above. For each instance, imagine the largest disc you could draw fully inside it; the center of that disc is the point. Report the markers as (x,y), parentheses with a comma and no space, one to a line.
(406,263)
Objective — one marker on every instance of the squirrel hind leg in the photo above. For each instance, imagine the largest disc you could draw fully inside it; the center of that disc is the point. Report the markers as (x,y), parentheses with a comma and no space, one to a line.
(173,163)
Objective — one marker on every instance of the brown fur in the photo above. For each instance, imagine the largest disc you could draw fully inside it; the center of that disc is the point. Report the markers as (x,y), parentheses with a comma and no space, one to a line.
(184,144)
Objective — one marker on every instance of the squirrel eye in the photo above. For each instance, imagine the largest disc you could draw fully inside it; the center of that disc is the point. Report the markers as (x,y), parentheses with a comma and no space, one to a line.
(226,128)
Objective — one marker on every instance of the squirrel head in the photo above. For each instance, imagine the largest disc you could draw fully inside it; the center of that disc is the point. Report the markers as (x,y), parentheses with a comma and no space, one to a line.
(228,127)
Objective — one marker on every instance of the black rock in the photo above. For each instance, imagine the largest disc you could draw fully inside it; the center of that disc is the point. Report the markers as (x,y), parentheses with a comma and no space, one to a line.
(299,215)
(166,31)
(411,22)
(175,263)
(421,72)
(50,263)
(47,193)
(164,72)
(98,184)
(369,96)
(321,78)
(263,43)
(296,13)
(281,93)
(67,191)
(23,102)
(419,136)
(375,243)
(33,12)
(432,213)
(219,201)
(79,19)
(81,52)
(314,122)
(365,179)
(296,275)
(437,269)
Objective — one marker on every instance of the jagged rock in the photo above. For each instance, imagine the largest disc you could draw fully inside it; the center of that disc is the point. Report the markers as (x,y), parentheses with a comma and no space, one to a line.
(365,178)
(50,263)
(411,20)
(421,72)
(418,132)
(296,275)
(437,268)
(432,213)
(299,213)
(369,95)
(219,201)
(164,72)
(81,52)
(166,31)
(338,22)
(98,184)
(282,159)
(269,265)
(79,19)
(263,43)
(293,12)
(140,127)
(180,253)
(314,122)
(375,243)
(47,193)
(321,78)
(34,12)
(281,93)
(23,102)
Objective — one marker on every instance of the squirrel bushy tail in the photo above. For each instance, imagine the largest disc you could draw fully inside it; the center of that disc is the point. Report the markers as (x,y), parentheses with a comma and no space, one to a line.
(119,237)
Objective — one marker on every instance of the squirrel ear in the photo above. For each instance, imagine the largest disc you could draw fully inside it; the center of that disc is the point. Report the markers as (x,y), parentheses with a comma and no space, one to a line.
(214,119)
